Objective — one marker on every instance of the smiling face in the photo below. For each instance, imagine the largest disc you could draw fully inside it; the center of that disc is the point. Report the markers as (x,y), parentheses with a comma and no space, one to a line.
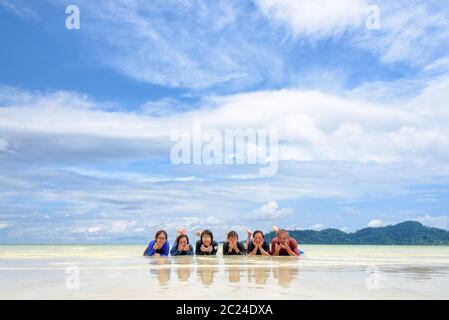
(182,242)
(160,239)
(283,238)
(207,240)
(232,239)
(258,238)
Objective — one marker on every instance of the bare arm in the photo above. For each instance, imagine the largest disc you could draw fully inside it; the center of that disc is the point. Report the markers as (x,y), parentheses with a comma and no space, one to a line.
(290,251)
(276,250)
(262,251)
(254,252)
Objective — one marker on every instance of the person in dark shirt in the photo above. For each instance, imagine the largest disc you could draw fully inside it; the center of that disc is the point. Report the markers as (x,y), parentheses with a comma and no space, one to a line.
(257,245)
(182,247)
(159,246)
(206,245)
(232,246)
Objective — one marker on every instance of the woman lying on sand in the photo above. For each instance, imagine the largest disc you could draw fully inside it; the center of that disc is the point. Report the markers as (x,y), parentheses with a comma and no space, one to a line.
(206,245)
(159,246)
(182,247)
(257,245)
(232,246)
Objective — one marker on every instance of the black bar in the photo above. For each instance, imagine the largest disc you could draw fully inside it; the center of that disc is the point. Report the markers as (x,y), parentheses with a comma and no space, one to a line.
(212,309)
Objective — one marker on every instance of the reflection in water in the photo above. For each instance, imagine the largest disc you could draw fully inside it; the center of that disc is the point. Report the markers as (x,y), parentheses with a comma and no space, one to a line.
(326,272)
(258,270)
(184,267)
(285,272)
(206,269)
(161,269)
(417,273)
(233,267)
(259,275)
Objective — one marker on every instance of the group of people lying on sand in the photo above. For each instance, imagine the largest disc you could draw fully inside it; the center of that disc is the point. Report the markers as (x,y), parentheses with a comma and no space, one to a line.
(281,245)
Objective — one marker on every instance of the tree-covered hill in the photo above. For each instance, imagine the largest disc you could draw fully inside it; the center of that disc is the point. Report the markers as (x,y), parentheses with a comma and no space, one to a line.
(405,233)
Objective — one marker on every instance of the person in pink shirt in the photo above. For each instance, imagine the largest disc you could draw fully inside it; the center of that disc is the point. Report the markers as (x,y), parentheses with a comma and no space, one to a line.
(283,245)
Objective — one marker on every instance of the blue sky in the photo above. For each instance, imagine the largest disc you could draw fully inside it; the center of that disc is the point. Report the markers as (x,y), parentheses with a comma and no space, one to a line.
(86,116)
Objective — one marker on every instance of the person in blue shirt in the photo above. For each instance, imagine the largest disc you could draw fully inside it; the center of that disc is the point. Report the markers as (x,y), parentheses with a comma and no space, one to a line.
(182,247)
(159,246)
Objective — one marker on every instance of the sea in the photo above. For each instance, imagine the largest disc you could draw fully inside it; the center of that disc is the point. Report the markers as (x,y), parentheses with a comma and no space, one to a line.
(323,272)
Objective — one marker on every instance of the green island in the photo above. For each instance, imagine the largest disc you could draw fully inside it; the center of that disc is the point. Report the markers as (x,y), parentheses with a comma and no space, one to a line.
(404,233)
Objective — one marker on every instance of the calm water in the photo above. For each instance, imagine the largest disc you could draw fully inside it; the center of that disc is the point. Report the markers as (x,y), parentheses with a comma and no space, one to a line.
(324,272)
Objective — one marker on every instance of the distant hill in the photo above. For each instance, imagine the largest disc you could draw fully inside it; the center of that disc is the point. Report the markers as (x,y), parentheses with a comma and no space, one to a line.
(405,233)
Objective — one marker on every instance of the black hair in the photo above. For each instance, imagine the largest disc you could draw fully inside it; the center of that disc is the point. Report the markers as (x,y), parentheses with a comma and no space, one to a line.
(207,232)
(182,236)
(258,231)
(232,233)
(159,232)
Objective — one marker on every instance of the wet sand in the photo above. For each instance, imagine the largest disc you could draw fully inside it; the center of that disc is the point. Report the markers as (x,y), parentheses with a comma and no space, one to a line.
(324,272)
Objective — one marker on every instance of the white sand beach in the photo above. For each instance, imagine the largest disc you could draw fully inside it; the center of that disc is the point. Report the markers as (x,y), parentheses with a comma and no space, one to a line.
(324,272)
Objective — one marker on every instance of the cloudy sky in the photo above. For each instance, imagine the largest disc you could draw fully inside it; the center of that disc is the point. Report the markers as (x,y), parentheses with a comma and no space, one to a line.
(362,112)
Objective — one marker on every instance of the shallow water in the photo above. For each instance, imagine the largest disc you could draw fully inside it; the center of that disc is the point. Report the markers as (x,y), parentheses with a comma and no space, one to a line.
(324,272)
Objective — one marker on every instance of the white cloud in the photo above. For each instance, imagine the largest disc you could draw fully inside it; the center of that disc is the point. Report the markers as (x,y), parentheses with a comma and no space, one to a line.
(79,153)
(201,44)
(318,227)
(340,147)
(3,225)
(19,9)
(316,19)
(440,65)
(441,222)
(409,32)
(312,126)
(228,45)
(271,211)
(218,226)
(292,226)
(412,33)
(85,229)
(122,226)
(110,227)
(93,229)
(159,108)
(375,223)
